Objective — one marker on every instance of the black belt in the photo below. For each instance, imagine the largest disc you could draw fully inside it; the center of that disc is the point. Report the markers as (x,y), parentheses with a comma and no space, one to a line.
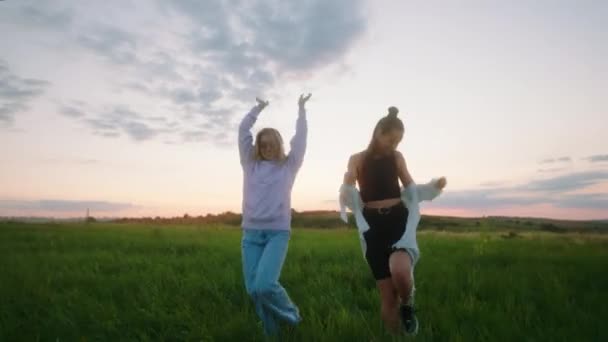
(382,211)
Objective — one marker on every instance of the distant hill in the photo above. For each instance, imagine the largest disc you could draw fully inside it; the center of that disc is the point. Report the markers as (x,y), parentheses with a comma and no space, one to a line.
(327,219)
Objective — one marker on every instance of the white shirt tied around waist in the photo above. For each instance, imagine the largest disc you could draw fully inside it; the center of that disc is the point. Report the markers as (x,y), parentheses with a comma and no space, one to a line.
(411,196)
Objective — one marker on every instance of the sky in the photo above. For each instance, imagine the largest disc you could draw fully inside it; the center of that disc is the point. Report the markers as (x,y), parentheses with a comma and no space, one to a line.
(130,108)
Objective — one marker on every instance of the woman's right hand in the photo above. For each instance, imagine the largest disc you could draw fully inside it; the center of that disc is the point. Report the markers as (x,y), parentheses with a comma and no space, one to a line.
(261,103)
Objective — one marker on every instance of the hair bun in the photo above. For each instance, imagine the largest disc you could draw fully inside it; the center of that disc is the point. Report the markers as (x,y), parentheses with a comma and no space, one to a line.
(393,111)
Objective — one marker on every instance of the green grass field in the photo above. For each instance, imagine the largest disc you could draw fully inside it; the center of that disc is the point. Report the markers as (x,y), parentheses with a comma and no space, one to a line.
(126,282)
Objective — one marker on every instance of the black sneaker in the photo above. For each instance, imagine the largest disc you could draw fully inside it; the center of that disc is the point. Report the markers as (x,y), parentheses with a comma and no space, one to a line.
(408,319)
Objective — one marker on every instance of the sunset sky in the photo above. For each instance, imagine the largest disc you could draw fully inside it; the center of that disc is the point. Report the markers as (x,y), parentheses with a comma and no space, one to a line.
(130,108)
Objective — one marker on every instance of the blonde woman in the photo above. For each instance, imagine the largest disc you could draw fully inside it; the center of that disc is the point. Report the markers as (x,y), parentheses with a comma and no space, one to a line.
(269,176)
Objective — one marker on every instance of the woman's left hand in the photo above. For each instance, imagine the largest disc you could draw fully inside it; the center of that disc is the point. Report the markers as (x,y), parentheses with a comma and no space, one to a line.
(303,99)
(441,183)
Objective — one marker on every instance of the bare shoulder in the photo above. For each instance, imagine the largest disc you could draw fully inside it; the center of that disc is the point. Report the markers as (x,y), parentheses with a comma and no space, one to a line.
(358,155)
(400,159)
(354,163)
(355,159)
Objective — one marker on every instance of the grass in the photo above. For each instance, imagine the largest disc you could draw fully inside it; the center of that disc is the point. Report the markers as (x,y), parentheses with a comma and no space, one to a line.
(126,282)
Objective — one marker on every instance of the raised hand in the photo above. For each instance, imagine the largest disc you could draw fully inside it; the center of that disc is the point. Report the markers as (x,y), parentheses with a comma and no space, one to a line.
(261,103)
(303,99)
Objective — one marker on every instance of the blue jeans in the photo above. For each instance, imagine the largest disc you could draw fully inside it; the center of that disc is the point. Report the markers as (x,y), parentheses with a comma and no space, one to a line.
(263,253)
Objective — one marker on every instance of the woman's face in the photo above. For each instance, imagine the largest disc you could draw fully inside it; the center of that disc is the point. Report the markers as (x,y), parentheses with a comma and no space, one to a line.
(389,141)
(269,147)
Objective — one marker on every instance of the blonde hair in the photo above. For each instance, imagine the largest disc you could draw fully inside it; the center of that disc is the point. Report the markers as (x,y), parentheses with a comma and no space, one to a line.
(277,139)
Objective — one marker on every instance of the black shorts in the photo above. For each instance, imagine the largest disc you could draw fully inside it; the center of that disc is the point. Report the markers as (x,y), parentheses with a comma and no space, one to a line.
(386,226)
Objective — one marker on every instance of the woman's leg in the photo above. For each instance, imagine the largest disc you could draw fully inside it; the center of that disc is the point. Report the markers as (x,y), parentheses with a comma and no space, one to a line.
(377,254)
(392,270)
(252,248)
(389,303)
(269,291)
(401,276)
(378,260)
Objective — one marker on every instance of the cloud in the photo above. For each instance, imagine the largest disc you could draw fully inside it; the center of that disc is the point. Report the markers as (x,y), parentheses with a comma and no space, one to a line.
(245,47)
(256,40)
(598,158)
(497,199)
(16,93)
(194,136)
(8,111)
(140,131)
(484,199)
(556,191)
(116,45)
(59,206)
(122,120)
(200,61)
(297,35)
(118,120)
(41,15)
(553,169)
(584,201)
(46,17)
(569,182)
(556,160)
(303,35)
(71,111)
(186,95)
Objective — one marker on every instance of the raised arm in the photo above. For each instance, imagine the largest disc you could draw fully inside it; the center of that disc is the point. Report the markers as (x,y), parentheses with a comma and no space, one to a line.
(245,137)
(299,140)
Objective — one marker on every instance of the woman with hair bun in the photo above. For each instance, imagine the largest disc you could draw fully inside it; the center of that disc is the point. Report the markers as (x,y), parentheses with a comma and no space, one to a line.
(387,215)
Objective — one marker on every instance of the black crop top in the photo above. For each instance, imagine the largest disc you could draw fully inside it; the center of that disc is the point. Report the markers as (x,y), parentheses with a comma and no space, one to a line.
(379,178)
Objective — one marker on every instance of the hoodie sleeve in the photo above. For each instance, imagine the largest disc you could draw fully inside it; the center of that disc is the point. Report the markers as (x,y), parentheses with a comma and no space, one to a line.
(298,142)
(245,137)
